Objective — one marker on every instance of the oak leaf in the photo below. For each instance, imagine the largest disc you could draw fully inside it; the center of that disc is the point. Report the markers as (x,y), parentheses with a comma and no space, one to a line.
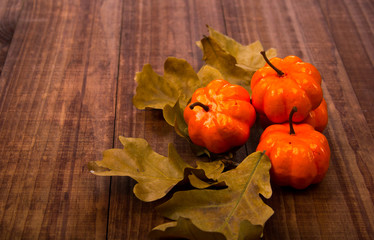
(155,174)
(182,229)
(178,83)
(236,211)
(235,61)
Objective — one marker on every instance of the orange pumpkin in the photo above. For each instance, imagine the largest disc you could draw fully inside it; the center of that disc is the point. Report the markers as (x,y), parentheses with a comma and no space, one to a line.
(219,116)
(317,118)
(284,83)
(299,154)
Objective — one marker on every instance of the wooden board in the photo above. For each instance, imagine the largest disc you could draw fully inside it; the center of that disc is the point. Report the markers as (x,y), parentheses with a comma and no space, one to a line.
(66,88)
(9,13)
(57,112)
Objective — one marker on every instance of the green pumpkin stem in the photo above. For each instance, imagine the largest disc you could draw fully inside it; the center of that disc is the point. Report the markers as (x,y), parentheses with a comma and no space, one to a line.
(205,107)
(292,131)
(280,73)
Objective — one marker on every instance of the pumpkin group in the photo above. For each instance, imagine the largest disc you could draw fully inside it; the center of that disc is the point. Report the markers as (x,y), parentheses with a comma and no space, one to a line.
(290,89)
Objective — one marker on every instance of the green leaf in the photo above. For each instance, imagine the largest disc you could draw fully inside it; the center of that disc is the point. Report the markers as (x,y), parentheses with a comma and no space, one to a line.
(237,211)
(155,174)
(182,228)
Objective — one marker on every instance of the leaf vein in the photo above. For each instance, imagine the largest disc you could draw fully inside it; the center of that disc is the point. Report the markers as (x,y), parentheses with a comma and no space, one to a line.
(228,218)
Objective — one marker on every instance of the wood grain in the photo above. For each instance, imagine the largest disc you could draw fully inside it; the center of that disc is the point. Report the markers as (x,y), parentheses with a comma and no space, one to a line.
(66,86)
(351,27)
(57,112)
(9,13)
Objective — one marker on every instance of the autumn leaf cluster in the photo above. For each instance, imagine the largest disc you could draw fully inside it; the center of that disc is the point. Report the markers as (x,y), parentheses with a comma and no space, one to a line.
(220,203)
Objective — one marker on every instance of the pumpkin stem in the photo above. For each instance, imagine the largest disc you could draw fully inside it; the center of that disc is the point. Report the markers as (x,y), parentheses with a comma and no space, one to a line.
(280,73)
(294,109)
(205,107)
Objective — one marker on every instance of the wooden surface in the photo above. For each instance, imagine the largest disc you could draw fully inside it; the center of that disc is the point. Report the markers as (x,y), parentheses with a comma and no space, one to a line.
(66,85)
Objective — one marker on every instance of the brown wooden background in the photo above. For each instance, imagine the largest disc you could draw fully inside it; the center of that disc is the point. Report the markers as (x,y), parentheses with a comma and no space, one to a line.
(67,69)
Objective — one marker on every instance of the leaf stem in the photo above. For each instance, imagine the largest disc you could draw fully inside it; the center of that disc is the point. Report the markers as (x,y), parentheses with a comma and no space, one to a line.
(205,107)
(280,73)
(294,109)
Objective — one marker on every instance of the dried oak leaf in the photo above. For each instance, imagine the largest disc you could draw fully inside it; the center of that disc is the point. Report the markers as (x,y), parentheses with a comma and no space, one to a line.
(238,212)
(206,175)
(235,61)
(178,82)
(155,174)
(182,229)
(172,91)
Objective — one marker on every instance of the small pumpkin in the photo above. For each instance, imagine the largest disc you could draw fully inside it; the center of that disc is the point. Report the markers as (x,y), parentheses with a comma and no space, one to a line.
(317,118)
(220,116)
(284,83)
(299,154)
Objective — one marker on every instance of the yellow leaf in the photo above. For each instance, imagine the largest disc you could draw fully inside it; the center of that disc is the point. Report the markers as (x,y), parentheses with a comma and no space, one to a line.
(226,211)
